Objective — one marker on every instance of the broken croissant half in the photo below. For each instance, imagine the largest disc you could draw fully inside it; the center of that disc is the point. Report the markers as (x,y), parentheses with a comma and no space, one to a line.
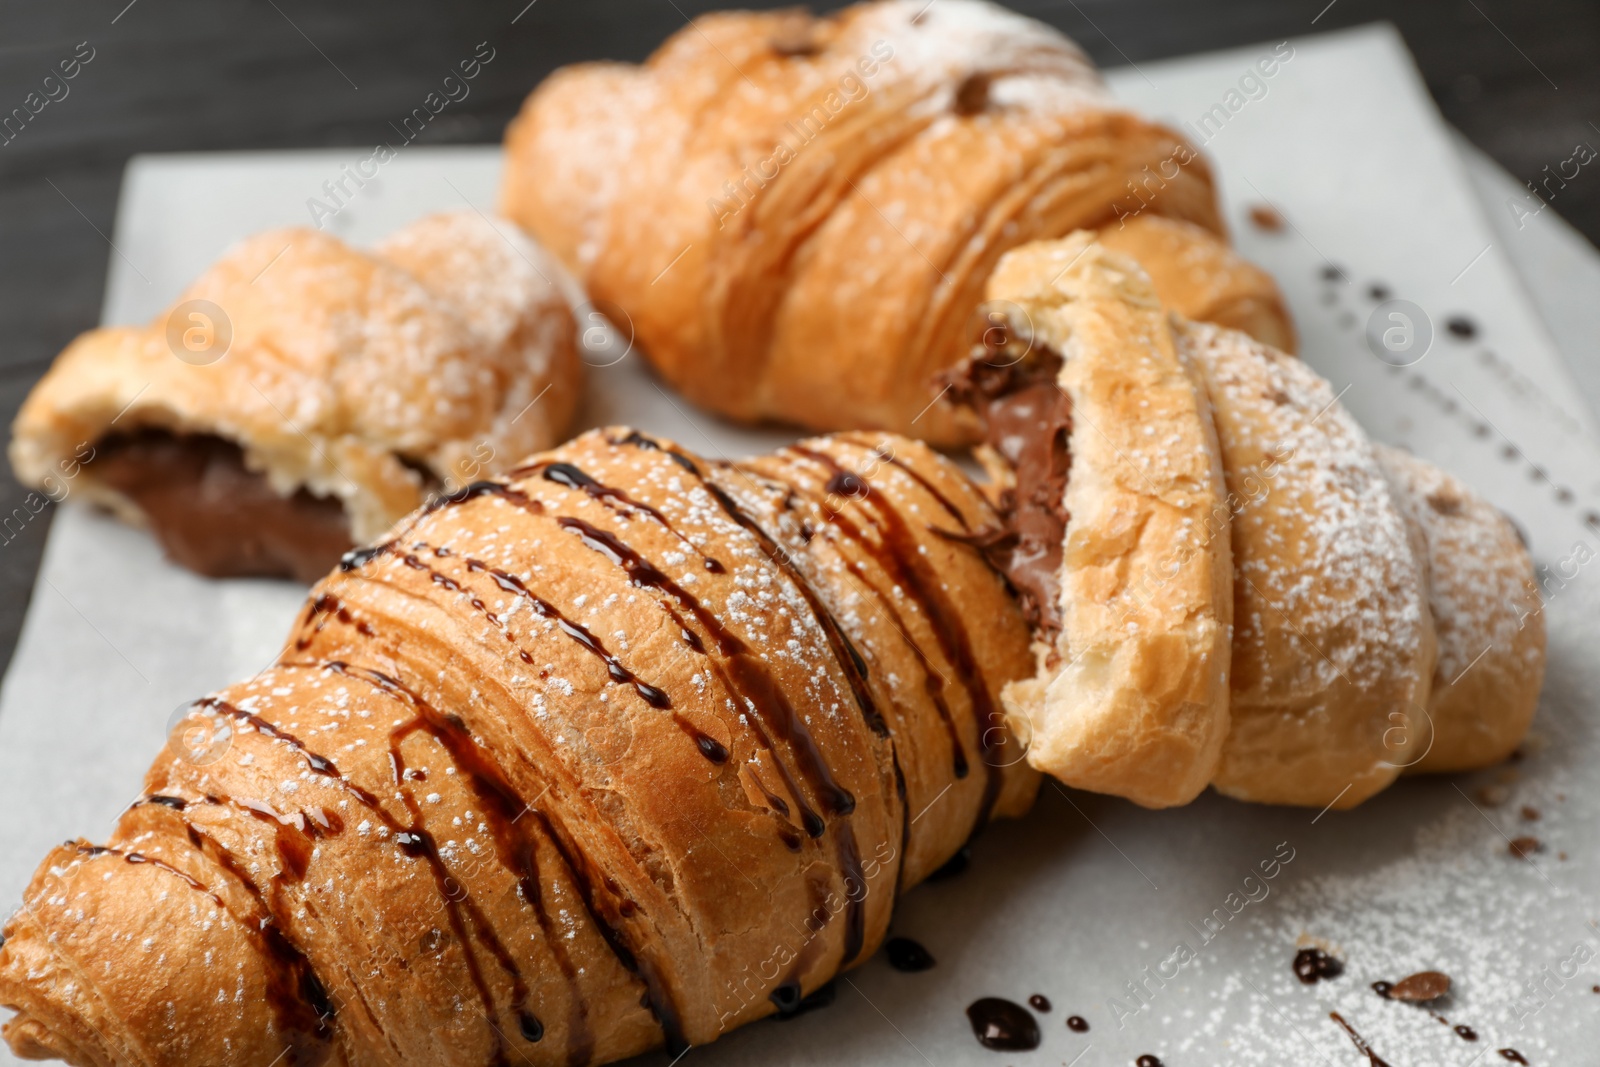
(1230,584)
(301,395)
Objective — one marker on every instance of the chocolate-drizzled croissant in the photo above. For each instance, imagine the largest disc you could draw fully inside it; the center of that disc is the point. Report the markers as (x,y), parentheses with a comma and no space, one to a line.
(797,215)
(630,748)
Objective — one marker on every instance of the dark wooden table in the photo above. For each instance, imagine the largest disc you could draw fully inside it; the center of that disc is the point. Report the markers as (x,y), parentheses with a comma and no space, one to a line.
(1518,78)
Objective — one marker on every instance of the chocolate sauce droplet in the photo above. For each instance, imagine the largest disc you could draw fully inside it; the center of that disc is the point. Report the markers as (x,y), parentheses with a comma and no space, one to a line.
(1462,327)
(532,1028)
(360,557)
(1466,1032)
(1513,1055)
(1039,1002)
(786,997)
(908,955)
(1077,1024)
(1312,965)
(1003,1025)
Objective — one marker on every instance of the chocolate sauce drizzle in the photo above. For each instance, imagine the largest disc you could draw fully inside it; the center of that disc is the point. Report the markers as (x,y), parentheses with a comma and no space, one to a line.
(502,808)
(83,848)
(505,809)
(572,477)
(414,840)
(933,679)
(485,488)
(326,607)
(302,1010)
(708,746)
(742,672)
(772,714)
(844,650)
(904,563)
(1373,1059)
(645,574)
(750,678)
(926,483)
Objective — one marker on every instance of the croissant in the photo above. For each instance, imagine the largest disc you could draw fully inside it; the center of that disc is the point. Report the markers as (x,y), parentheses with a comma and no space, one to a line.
(795,217)
(627,748)
(1229,583)
(301,396)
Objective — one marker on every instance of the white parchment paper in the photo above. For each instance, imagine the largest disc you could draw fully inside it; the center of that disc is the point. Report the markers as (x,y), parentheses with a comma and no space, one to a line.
(1089,900)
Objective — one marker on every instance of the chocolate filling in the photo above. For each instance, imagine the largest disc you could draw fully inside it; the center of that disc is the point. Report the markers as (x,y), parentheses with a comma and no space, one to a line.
(1027,420)
(215,516)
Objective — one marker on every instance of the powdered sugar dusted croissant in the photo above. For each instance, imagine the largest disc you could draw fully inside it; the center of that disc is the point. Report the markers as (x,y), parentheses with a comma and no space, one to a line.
(1230,584)
(628,748)
(302,395)
(798,215)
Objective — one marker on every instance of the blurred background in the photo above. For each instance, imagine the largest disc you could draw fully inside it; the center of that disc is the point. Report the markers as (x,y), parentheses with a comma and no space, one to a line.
(1517,77)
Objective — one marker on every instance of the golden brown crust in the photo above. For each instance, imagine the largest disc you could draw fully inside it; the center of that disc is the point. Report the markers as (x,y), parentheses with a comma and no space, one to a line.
(1132,699)
(1333,642)
(740,193)
(1199,277)
(910,595)
(345,370)
(1489,618)
(573,764)
(587,109)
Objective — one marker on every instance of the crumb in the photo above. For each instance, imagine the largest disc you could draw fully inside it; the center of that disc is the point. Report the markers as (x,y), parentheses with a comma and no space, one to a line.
(1421,987)
(1523,847)
(1266,218)
(1492,796)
